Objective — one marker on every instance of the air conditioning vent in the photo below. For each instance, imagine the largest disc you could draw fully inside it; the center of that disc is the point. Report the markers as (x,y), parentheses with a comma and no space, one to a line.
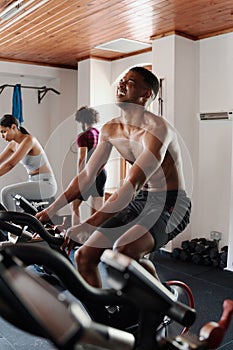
(216,116)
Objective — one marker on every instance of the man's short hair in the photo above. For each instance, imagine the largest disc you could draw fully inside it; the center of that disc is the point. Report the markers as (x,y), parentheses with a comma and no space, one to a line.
(150,79)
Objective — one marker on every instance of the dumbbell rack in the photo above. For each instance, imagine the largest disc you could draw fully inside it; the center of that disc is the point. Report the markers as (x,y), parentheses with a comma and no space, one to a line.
(201,251)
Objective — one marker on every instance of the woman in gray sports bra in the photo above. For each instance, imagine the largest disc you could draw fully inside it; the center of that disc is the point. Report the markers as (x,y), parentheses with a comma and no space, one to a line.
(25,149)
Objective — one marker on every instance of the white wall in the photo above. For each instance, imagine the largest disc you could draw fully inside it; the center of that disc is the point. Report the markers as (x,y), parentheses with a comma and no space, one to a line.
(215,144)
(45,120)
(216,73)
(214,177)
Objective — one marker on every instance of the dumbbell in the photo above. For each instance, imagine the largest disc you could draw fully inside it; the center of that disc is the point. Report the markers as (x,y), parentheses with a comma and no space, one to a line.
(185,245)
(204,246)
(214,253)
(215,261)
(185,255)
(197,259)
(190,245)
(176,253)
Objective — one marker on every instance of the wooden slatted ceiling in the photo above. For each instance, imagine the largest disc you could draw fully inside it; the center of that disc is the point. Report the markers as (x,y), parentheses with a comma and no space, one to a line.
(63,32)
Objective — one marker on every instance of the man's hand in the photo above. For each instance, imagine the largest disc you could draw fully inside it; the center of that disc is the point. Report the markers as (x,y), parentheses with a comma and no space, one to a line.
(76,235)
(79,233)
(68,245)
(43,216)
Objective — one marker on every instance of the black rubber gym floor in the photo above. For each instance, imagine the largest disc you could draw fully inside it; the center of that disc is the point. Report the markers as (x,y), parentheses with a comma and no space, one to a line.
(210,286)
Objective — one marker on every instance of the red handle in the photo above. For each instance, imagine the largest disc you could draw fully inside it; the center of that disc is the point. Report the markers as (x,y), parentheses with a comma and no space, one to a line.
(213,332)
(227,314)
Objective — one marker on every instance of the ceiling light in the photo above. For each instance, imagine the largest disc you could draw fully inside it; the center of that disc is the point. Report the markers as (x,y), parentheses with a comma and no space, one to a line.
(31,9)
(123,45)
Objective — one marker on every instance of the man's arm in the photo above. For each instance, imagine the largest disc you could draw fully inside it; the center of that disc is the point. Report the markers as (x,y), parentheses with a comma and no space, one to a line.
(80,183)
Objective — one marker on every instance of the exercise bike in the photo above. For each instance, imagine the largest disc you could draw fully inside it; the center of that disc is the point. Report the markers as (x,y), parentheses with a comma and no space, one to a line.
(25,235)
(33,305)
(105,306)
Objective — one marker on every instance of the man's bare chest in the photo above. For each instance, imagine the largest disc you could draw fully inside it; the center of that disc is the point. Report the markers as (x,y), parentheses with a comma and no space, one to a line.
(129,148)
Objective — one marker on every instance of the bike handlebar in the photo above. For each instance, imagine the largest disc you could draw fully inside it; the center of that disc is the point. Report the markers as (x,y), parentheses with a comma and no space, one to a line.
(28,300)
(158,297)
(11,228)
(33,254)
(31,222)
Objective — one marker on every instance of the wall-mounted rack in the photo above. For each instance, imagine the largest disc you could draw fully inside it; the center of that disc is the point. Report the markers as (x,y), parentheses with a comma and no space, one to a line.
(42,90)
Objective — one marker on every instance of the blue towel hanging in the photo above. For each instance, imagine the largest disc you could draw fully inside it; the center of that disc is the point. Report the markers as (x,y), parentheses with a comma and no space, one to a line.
(17,108)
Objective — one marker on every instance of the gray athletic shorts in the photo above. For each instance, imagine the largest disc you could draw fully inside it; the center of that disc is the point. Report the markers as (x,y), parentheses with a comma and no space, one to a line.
(163,214)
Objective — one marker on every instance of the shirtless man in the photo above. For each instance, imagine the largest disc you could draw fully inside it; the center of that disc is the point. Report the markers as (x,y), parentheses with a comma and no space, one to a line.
(151,206)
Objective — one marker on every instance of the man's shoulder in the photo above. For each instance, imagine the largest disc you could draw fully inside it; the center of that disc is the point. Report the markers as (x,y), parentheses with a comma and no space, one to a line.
(110,128)
(155,121)
(112,123)
(159,127)
(115,120)
(154,117)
